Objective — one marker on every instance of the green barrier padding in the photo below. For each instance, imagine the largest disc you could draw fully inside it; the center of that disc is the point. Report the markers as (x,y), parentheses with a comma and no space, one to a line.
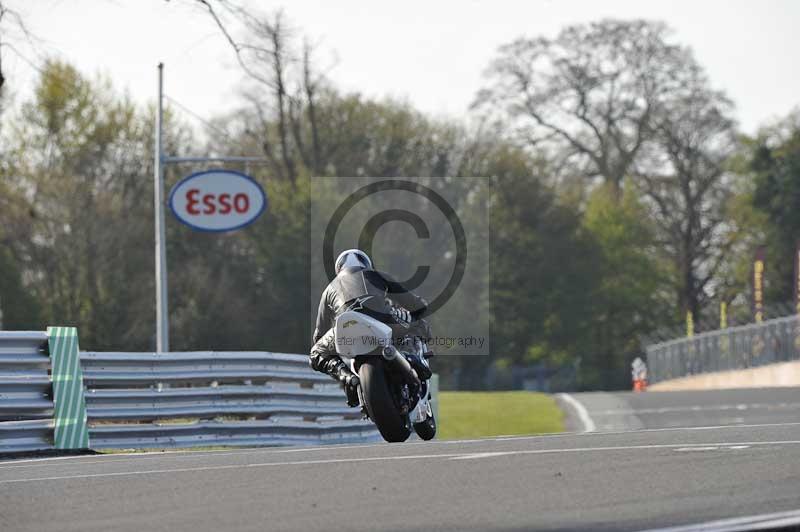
(71,431)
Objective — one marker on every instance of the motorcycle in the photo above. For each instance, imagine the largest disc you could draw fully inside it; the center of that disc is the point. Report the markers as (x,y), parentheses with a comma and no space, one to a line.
(391,392)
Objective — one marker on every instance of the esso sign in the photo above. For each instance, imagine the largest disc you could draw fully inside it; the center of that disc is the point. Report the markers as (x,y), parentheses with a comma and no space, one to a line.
(217,200)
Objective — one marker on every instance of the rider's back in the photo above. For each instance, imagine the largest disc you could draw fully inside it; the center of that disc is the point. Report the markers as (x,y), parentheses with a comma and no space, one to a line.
(364,291)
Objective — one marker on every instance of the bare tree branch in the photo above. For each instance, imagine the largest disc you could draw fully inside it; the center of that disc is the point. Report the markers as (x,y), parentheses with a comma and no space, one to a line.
(596,86)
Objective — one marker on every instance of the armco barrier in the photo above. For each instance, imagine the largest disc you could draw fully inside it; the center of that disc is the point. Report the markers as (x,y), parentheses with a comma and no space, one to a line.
(26,404)
(25,436)
(50,394)
(41,391)
(156,400)
(25,386)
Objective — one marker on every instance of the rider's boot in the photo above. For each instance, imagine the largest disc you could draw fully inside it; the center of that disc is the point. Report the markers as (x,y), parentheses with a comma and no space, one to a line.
(420,365)
(337,369)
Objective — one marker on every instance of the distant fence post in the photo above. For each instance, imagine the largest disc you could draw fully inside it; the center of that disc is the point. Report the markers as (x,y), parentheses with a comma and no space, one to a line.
(71,431)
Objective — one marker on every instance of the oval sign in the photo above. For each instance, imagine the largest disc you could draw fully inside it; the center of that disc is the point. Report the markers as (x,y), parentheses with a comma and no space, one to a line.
(217,200)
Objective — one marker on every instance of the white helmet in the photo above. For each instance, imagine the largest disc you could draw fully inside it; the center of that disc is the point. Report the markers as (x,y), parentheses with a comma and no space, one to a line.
(352,258)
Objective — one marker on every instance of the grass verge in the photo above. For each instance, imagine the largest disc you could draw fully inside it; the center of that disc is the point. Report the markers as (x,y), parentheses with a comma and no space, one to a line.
(481,414)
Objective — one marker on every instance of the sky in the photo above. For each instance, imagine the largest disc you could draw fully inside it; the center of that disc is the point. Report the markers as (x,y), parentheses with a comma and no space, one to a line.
(431,54)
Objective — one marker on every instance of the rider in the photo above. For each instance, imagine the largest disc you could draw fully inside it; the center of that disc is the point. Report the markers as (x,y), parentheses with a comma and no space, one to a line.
(357,286)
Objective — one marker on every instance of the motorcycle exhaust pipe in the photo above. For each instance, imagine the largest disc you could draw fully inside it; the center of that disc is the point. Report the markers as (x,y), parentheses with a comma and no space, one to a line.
(398,362)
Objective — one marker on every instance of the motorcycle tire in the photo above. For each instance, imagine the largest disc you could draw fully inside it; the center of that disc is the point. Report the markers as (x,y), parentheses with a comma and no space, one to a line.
(380,405)
(426,429)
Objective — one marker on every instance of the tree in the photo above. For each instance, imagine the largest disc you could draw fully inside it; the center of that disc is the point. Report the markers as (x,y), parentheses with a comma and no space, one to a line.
(684,174)
(543,268)
(79,153)
(12,28)
(360,137)
(774,165)
(285,88)
(19,309)
(13,33)
(616,100)
(628,301)
(589,94)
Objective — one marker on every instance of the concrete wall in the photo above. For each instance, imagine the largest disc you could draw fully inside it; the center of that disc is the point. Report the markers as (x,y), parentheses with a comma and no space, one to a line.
(773,375)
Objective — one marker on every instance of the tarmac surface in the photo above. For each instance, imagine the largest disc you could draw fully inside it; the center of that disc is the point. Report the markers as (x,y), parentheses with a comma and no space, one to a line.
(637,470)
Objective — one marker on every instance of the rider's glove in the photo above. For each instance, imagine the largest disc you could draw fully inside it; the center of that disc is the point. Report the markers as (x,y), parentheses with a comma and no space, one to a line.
(422,329)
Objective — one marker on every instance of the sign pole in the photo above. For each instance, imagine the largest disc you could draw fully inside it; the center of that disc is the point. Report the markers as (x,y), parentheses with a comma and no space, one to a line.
(162,309)
(160,160)
(797,277)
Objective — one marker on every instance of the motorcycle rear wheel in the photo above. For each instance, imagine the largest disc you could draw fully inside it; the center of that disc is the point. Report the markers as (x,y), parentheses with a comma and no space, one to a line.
(380,405)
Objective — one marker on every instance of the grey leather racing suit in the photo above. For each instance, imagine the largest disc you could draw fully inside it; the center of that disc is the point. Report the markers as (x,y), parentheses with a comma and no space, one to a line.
(369,291)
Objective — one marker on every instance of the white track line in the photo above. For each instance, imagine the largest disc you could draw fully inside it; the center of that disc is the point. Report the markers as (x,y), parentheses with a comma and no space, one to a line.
(711,408)
(619,432)
(461,455)
(195,453)
(475,456)
(583,414)
(753,522)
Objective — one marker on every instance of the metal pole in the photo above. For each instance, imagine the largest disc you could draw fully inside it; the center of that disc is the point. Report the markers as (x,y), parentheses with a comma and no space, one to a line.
(167,159)
(162,309)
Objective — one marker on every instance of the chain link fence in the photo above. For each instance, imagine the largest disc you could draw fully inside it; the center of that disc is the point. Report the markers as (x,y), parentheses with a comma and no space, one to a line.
(746,346)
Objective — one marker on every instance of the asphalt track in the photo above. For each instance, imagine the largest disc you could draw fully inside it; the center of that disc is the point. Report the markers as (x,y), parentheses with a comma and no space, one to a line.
(613,480)
(653,410)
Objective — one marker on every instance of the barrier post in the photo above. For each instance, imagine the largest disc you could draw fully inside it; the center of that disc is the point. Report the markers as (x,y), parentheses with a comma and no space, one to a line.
(71,430)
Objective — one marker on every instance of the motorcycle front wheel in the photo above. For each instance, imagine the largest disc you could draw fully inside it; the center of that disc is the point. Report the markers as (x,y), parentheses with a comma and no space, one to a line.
(380,403)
